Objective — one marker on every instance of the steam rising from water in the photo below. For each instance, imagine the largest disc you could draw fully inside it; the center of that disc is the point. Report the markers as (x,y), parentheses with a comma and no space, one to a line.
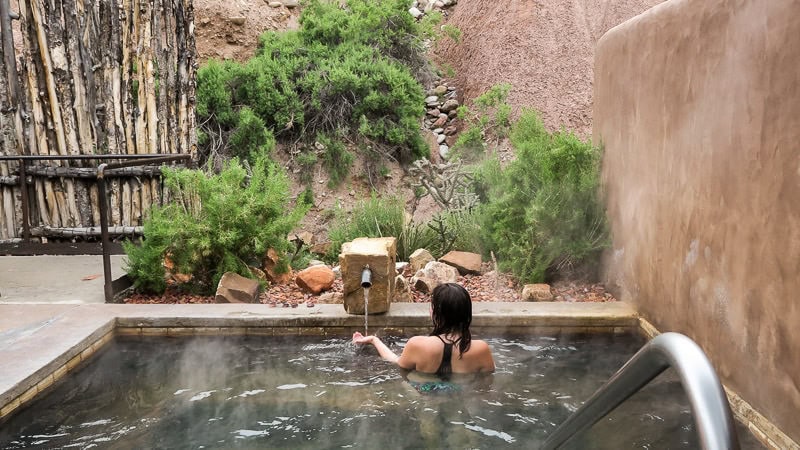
(304,392)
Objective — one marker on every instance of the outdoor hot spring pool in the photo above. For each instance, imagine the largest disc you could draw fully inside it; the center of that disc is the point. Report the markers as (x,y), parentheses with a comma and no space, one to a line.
(313,392)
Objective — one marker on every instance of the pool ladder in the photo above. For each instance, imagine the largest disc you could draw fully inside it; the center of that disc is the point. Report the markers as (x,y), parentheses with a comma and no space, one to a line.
(710,408)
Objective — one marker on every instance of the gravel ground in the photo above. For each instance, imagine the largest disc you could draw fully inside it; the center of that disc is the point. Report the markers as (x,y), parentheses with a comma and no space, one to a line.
(489,287)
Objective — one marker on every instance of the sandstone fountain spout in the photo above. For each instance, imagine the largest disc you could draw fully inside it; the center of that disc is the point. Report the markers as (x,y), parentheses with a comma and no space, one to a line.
(368,264)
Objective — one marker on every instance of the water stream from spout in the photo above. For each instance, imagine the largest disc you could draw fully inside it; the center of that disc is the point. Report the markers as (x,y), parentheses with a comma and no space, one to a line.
(366,311)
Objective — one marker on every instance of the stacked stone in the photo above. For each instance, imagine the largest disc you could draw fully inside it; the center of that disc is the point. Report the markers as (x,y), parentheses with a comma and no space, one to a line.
(421,7)
(441,111)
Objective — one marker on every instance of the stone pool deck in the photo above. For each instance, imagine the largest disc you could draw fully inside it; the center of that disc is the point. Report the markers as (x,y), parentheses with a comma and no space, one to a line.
(40,343)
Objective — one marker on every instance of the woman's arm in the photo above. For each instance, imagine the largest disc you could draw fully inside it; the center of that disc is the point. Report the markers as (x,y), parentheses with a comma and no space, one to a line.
(404,360)
(383,350)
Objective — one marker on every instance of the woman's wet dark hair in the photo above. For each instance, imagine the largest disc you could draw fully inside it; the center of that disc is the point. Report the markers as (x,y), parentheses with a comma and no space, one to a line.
(452,313)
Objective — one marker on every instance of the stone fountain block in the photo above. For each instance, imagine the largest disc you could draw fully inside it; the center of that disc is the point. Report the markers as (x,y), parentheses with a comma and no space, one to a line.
(380,255)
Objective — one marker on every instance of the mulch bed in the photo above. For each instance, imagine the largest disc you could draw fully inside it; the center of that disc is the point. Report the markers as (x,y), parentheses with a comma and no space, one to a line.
(489,287)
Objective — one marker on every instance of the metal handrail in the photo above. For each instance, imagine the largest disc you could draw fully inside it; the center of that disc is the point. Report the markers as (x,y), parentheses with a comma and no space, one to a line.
(710,408)
(125,160)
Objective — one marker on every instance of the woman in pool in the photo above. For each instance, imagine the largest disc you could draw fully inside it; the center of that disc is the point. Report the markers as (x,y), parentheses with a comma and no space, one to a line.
(451,312)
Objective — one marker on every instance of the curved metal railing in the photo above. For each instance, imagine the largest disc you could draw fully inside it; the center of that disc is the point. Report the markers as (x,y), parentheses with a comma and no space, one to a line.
(710,408)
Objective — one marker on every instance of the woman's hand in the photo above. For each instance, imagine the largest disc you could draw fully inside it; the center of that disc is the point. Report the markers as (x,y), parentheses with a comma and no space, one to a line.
(383,350)
(360,339)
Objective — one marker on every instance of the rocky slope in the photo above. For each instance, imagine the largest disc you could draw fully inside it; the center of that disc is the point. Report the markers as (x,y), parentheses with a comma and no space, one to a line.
(544,48)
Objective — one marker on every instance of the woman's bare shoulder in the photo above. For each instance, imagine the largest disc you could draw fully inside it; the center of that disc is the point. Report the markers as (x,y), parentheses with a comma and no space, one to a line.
(419,341)
(480,344)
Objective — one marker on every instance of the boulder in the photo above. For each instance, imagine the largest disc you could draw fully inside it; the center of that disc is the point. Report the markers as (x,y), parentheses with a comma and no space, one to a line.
(321,248)
(400,266)
(402,291)
(290,3)
(331,297)
(449,105)
(424,285)
(234,288)
(465,262)
(433,274)
(271,260)
(315,279)
(537,293)
(419,259)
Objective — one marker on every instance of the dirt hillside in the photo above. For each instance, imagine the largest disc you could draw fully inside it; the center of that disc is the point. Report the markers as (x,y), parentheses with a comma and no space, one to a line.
(544,48)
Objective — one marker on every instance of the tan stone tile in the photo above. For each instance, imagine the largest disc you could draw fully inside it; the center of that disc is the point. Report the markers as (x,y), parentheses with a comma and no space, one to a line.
(155,331)
(286,331)
(206,331)
(46,383)
(87,353)
(28,395)
(60,372)
(232,331)
(312,331)
(10,407)
(129,331)
(181,331)
(74,362)
(259,331)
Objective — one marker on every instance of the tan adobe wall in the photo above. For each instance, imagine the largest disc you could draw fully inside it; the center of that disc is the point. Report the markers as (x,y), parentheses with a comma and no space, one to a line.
(697,104)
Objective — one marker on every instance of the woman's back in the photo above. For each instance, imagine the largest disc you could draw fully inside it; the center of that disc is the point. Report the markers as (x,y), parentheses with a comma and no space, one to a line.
(425,354)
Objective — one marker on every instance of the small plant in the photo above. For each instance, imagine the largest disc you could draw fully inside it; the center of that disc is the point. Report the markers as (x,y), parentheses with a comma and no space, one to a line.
(306,160)
(307,197)
(336,159)
(377,217)
(452,32)
(447,70)
(489,119)
(455,229)
(214,224)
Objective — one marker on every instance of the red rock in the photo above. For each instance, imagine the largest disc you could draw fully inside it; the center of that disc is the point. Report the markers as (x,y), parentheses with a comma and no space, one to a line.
(234,288)
(315,279)
(465,262)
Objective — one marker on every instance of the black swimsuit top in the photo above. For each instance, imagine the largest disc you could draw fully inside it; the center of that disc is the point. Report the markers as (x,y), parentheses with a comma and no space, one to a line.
(445,368)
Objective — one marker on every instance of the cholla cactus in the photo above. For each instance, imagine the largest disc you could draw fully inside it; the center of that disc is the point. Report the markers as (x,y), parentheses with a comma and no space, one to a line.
(447,183)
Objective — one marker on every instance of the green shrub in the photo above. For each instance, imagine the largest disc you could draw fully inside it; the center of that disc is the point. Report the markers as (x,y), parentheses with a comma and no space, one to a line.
(251,138)
(346,70)
(543,217)
(214,224)
(213,93)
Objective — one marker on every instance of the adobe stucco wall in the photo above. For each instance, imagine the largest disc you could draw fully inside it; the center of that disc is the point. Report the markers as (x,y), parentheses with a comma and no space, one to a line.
(697,103)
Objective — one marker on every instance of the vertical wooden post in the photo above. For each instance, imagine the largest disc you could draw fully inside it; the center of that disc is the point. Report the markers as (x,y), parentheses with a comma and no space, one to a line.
(23,187)
(102,195)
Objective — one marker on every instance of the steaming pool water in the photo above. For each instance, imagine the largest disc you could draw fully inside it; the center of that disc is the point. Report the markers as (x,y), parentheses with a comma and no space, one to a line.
(313,392)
